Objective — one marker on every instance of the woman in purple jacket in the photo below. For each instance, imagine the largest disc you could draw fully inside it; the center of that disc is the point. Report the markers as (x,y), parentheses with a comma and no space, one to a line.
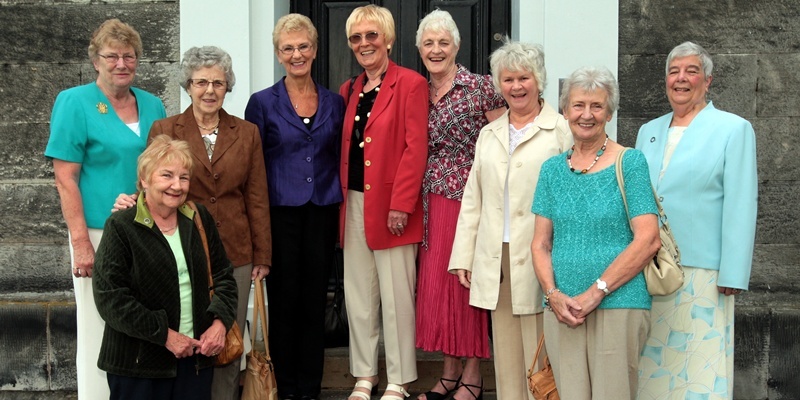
(301,126)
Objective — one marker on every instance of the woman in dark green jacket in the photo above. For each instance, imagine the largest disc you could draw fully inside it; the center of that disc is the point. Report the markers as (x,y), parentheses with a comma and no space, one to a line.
(151,286)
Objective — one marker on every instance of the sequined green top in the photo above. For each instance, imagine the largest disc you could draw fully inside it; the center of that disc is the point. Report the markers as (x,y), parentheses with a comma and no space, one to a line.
(590,227)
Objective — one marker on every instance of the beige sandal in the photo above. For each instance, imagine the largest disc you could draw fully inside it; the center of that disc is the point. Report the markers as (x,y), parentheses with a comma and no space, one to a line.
(372,389)
(394,388)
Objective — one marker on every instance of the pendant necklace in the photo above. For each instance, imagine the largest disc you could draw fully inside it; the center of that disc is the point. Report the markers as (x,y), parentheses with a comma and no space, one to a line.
(583,171)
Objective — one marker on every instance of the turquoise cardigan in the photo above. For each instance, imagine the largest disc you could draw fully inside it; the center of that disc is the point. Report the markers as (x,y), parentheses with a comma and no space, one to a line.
(709,190)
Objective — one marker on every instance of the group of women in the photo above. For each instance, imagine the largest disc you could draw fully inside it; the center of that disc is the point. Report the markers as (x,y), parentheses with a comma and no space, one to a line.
(451,196)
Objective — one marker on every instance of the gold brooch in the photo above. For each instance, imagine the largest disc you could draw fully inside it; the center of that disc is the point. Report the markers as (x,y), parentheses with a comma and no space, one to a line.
(102,107)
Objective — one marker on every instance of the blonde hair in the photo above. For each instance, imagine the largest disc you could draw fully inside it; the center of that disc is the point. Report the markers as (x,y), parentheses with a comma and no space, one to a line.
(114,31)
(294,23)
(372,13)
(162,150)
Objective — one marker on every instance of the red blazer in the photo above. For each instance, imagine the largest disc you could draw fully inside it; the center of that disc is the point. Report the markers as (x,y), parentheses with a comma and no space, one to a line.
(396,152)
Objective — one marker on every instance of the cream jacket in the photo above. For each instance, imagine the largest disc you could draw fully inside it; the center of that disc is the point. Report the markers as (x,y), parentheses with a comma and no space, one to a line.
(479,233)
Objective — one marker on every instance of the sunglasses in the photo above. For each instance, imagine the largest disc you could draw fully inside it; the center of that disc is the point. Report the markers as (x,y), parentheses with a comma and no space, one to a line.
(369,37)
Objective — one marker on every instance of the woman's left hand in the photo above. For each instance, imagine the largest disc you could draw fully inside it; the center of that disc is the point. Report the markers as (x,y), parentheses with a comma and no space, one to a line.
(212,341)
(397,222)
(727,291)
(259,272)
(589,300)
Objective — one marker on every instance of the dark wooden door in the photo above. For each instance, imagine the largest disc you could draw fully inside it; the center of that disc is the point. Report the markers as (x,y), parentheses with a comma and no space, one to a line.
(481,23)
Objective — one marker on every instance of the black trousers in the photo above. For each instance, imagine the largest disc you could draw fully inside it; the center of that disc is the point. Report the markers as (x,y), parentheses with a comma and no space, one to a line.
(303,243)
(189,383)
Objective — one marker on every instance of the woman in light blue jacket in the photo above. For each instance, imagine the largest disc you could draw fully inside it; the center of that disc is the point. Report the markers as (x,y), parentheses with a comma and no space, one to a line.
(703,165)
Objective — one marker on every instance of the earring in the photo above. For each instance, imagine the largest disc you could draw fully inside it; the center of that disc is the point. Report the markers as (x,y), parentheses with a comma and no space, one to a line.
(388,47)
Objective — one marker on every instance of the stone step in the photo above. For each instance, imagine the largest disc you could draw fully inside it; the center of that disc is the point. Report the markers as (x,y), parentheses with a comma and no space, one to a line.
(337,375)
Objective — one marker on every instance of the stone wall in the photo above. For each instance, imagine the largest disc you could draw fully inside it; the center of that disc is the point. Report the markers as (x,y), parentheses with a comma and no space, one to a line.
(755,46)
(44,46)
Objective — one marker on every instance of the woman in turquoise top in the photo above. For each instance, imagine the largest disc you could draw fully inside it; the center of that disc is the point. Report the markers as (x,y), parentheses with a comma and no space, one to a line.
(96,133)
(587,255)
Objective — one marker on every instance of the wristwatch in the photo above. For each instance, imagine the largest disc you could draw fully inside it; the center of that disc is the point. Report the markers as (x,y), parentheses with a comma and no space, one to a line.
(603,286)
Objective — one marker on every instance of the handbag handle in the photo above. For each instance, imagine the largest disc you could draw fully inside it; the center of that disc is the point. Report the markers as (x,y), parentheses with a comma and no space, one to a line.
(538,350)
(621,182)
(259,312)
(199,224)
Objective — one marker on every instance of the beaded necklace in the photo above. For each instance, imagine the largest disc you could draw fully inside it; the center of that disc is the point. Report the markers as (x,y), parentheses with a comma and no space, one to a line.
(583,171)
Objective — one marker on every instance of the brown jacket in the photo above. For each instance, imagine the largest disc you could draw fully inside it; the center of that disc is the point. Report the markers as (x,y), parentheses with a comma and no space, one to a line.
(233,185)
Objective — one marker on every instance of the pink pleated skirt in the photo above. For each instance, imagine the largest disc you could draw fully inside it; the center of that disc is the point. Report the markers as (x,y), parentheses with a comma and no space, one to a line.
(445,320)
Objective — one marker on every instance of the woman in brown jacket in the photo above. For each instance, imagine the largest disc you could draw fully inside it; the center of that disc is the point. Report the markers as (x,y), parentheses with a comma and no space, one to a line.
(229,178)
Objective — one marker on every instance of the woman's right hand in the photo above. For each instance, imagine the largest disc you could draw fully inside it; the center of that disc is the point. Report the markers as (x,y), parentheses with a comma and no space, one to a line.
(83,258)
(566,309)
(181,345)
(124,201)
(464,277)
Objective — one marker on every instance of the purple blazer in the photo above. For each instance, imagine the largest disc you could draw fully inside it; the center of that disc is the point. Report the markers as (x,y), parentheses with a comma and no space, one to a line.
(302,164)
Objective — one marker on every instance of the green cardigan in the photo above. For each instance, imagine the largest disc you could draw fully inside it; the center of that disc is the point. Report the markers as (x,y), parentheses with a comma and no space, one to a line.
(135,284)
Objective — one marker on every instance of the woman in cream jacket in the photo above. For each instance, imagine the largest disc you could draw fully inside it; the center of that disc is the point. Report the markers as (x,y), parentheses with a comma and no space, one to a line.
(491,253)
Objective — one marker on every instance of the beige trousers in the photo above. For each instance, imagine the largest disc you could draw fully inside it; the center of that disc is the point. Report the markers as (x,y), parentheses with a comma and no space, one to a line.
(378,285)
(599,359)
(514,340)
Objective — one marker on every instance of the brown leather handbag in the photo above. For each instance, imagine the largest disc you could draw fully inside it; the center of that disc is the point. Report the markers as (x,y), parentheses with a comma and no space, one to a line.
(234,347)
(542,383)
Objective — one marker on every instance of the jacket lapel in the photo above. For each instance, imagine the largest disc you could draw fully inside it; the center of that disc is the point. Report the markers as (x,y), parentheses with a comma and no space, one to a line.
(186,129)
(284,107)
(385,93)
(227,136)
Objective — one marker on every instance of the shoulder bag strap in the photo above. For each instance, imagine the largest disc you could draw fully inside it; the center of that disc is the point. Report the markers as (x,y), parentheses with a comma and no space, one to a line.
(538,350)
(199,224)
(621,180)
(259,313)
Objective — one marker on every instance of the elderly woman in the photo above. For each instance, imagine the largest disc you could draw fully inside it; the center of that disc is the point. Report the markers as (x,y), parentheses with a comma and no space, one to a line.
(96,132)
(384,148)
(151,285)
(703,164)
(587,254)
(495,226)
(301,128)
(228,177)
(461,104)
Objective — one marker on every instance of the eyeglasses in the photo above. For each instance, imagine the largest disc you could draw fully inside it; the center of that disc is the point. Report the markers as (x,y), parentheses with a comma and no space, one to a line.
(114,58)
(203,83)
(357,37)
(289,50)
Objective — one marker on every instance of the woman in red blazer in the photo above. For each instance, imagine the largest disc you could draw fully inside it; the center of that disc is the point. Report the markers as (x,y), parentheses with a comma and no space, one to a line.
(384,152)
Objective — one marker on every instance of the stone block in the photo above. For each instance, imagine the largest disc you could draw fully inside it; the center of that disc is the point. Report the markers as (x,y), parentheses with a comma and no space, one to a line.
(778,214)
(43,31)
(24,348)
(733,26)
(63,336)
(31,213)
(779,85)
(751,347)
(628,129)
(734,84)
(22,155)
(784,349)
(776,141)
(30,89)
(641,86)
(46,268)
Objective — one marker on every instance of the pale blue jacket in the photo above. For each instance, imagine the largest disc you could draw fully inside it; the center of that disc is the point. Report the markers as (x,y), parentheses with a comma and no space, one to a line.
(709,190)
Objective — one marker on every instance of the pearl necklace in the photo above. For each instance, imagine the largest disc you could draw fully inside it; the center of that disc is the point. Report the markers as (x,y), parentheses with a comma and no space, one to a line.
(583,171)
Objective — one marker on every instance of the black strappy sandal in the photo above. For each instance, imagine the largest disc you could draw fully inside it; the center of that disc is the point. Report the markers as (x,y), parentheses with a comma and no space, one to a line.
(468,386)
(431,395)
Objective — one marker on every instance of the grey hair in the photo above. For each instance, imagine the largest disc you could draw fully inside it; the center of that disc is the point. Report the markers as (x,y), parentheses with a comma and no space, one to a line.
(438,21)
(206,56)
(518,56)
(591,79)
(687,49)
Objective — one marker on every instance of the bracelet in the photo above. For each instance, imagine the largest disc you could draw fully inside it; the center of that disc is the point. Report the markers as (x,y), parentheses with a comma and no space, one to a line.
(547,297)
